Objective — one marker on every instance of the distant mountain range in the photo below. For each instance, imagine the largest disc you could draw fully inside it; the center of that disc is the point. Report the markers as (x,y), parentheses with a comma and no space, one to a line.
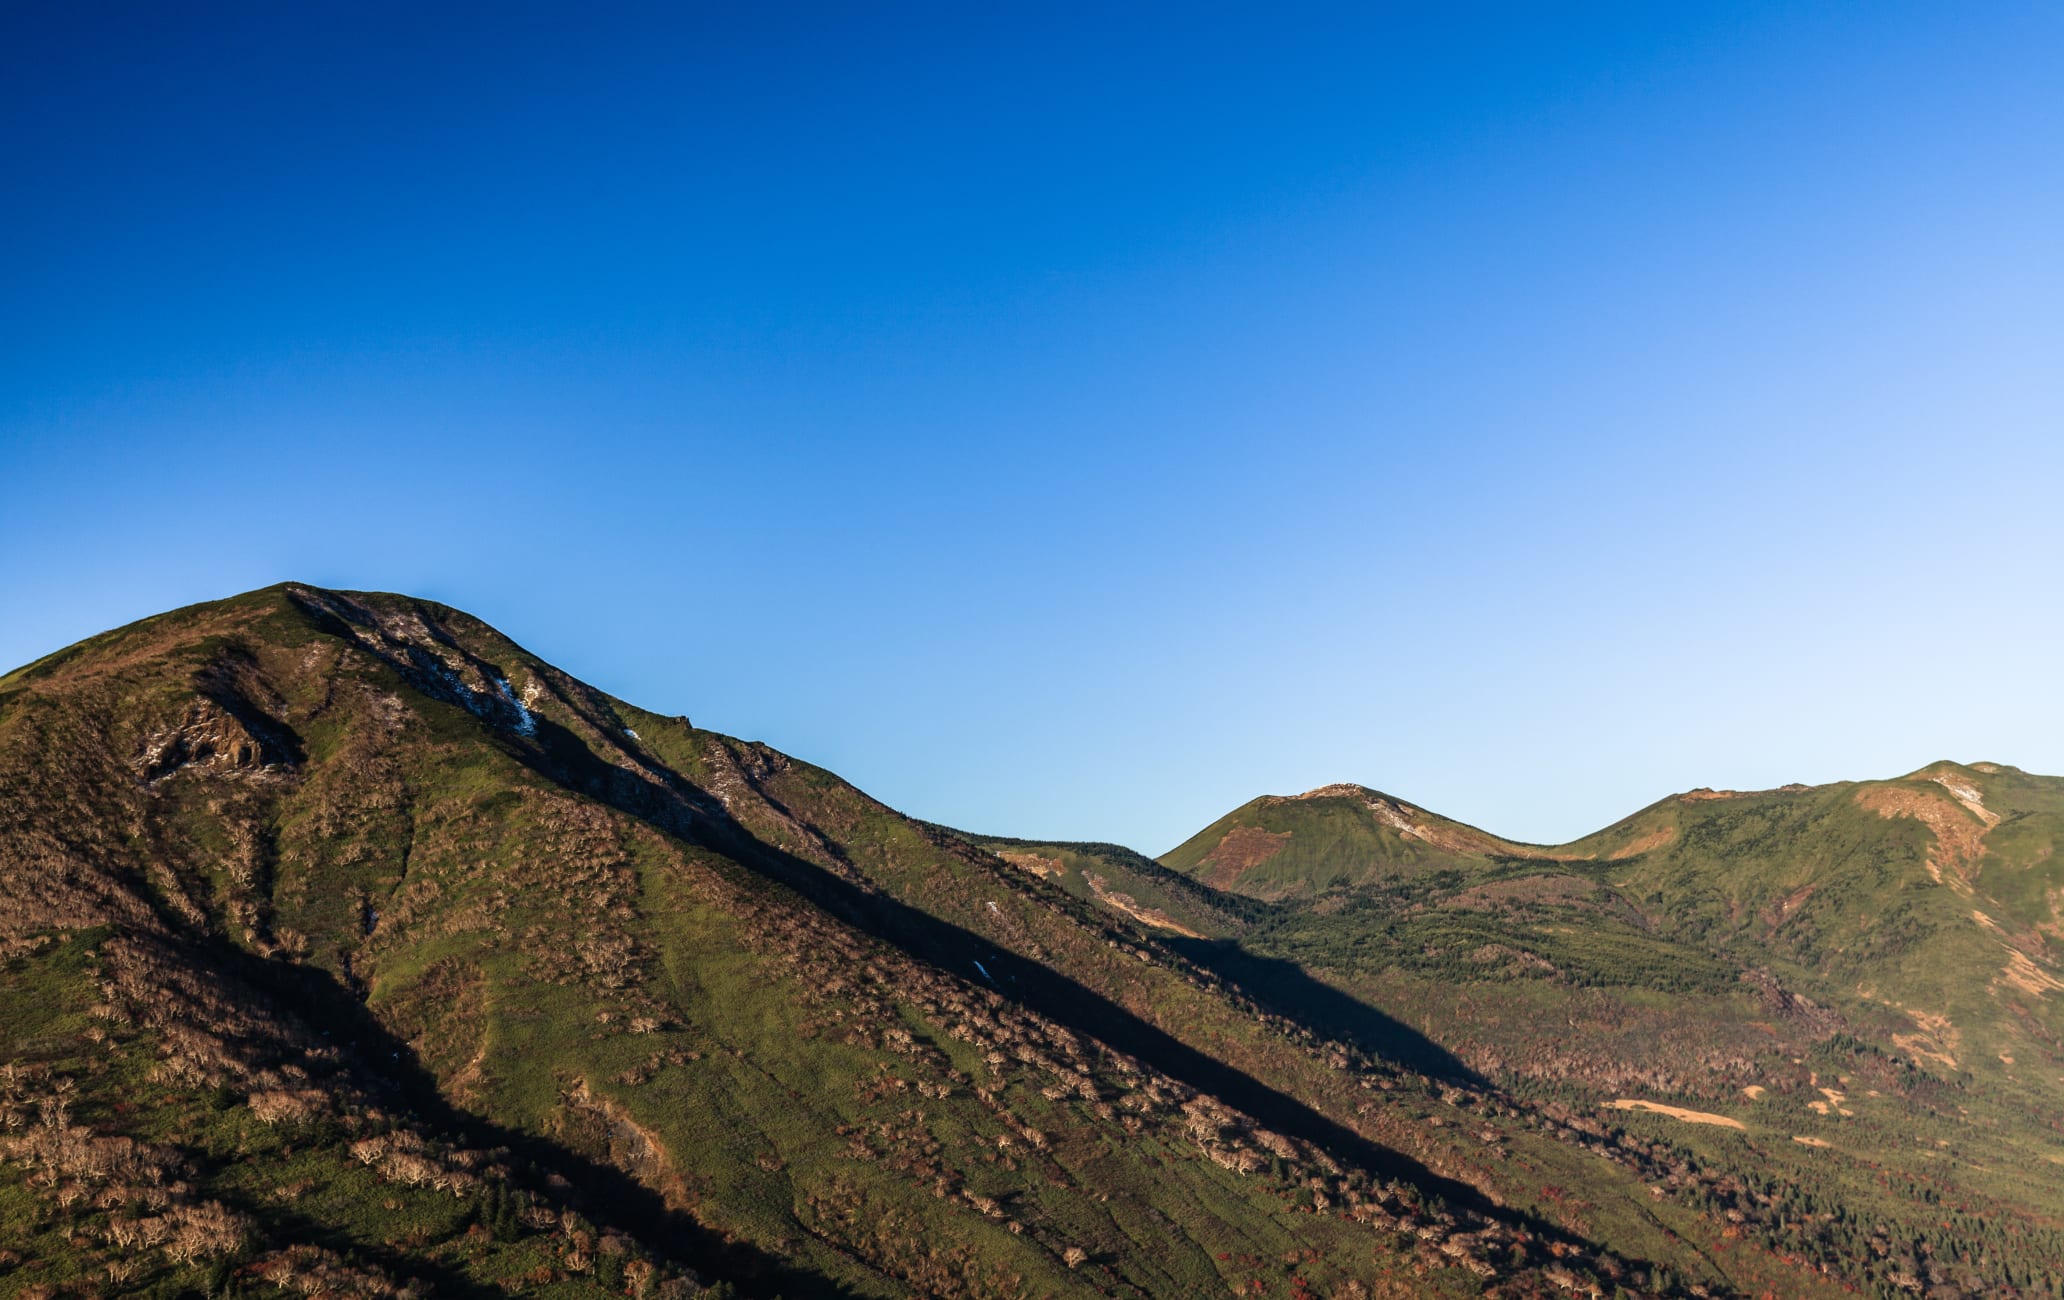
(346,948)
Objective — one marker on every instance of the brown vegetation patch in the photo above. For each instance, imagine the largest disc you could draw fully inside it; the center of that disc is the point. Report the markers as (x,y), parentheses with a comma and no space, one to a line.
(1547,891)
(1243,849)
(606,1127)
(1793,1008)
(1511,960)
(146,645)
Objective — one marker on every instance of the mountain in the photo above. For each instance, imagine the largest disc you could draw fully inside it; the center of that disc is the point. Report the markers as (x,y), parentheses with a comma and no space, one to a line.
(348,948)
(1868,969)
(1337,836)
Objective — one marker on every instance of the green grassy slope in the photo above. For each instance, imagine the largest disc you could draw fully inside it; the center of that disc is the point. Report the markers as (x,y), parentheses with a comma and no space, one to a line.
(1335,837)
(1128,883)
(1862,976)
(415,964)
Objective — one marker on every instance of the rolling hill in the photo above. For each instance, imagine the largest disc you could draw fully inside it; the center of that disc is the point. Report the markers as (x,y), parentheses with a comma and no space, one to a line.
(1868,968)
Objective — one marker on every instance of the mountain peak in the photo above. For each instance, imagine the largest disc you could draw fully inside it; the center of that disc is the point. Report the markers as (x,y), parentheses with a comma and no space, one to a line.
(1337,790)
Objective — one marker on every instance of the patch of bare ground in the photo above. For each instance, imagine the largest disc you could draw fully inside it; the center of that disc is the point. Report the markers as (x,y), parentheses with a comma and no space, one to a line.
(1678,1112)
(1032,862)
(2022,973)
(1811,1141)
(1784,909)
(1243,849)
(1338,790)
(1970,796)
(1832,1105)
(1959,828)
(1125,903)
(1706,794)
(1935,1039)
(1641,844)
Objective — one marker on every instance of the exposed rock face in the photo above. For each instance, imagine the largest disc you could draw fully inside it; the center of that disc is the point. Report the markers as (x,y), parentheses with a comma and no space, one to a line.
(213,736)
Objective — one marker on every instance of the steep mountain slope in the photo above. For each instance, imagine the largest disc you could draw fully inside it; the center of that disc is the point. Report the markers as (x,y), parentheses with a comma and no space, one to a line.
(1128,883)
(1866,969)
(344,945)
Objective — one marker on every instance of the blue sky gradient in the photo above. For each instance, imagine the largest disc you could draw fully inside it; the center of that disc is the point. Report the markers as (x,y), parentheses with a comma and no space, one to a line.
(1073,424)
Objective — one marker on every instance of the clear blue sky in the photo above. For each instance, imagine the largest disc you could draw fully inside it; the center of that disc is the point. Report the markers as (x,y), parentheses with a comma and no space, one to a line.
(1069,423)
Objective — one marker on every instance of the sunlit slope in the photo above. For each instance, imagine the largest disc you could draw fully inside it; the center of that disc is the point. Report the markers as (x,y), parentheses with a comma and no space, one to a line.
(1862,977)
(1334,837)
(1937,891)
(416,962)
(1935,894)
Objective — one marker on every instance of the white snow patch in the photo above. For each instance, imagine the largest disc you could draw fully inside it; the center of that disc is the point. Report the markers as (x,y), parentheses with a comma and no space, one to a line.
(1968,797)
(1396,818)
(526,722)
(1960,789)
(632,734)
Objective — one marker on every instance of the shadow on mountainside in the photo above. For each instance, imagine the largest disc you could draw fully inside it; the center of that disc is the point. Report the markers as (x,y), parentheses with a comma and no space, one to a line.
(385,1063)
(569,762)
(1285,988)
(661,797)
(1281,987)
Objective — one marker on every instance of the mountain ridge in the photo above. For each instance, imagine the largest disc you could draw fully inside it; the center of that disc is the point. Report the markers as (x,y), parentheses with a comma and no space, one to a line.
(303,772)
(1404,816)
(418,963)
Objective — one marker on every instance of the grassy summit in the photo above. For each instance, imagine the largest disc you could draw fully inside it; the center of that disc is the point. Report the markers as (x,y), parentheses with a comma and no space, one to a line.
(1337,836)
